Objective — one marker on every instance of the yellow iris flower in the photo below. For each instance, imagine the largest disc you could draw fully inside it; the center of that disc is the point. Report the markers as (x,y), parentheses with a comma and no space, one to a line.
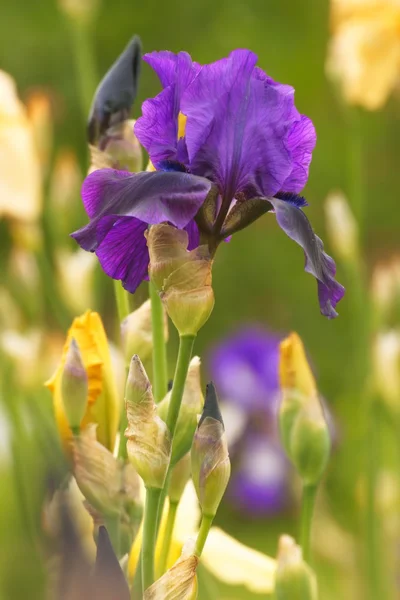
(103,403)
(364,54)
(227,559)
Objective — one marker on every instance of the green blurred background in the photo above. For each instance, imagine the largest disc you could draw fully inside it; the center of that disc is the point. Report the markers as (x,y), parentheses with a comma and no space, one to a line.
(259,276)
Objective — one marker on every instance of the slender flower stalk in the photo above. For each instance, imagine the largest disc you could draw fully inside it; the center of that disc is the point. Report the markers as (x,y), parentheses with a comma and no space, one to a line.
(149,535)
(307,511)
(205,527)
(160,373)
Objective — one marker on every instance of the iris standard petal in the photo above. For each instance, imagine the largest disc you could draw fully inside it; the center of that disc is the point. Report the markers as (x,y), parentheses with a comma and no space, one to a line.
(301,143)
(158,127)
(236,127)
(122,251)
(296,225)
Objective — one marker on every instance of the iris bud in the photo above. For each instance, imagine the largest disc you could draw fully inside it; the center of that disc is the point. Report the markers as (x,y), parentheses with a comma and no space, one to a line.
(211,466)
(183,278)
(137,332)
(180,581)
(149,444)
(294,578)
(191,408)
(179,477)
(107,484)
(304,431)
(74,387)
(115,94)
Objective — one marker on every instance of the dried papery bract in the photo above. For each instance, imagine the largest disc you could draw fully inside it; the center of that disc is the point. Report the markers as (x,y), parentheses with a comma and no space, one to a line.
(304,431)
(74,387)
(211,466)
(137,332)
(180,581)
(107,484)
(191,408)
(295,580)
(120,149)
(183,278)
(149,445)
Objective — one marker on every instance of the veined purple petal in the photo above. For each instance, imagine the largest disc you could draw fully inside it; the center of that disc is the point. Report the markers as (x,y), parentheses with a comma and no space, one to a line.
(157,128)
(301,143)
(122,251)
(152,197)
(193,235)
(296,225)
(236,127)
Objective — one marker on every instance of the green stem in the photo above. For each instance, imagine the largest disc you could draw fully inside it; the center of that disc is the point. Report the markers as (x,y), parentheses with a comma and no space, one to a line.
(122,300)
(204,530)
(307,511)
(160,375)
(166,543)
(186,343)
(373,559)
(149,536)
(85,64)
(113,525)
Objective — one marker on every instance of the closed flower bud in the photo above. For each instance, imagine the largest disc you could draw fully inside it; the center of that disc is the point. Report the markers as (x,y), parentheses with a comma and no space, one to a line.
(294,578)
(74,387)
(115,96)
(183,278)
(149,445)
(179,477)
(304,431)
(211,466)
(107,484)
(137,332)
(342,226)
(191,408)
(180,581)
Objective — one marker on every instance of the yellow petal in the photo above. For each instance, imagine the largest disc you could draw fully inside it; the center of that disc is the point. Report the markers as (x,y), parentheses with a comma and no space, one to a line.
(20,180)
(103,402)
(236,564)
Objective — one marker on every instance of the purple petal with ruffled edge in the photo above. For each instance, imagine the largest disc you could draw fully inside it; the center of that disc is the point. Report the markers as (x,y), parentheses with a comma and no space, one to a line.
(123,252)
(152,197)
(245,369)
(236,127)
(260,484)
(301,143)
(157,128)
(296,225)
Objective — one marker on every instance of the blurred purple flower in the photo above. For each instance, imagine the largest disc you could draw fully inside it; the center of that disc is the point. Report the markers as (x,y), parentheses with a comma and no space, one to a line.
(245,370)
(227,124)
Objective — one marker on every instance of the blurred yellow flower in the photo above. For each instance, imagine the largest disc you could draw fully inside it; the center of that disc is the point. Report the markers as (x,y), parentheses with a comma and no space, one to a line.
(20,178)
(364,53)
(104,405)
(226,558)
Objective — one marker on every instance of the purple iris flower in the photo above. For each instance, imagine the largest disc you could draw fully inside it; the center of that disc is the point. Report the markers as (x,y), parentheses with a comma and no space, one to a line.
(223,136)
(245,370)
